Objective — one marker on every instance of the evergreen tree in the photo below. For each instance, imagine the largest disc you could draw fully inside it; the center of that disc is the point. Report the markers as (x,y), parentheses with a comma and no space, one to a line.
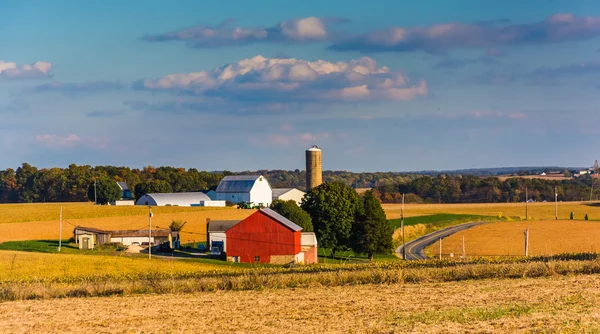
(371,233)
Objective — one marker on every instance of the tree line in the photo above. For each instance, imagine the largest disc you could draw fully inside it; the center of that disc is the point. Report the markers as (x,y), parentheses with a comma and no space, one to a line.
(474,189)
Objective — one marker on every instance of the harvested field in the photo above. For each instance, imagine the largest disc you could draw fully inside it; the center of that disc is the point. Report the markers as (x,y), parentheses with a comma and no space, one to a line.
(507,238)
(104,217)
(553,177)
(536,210)
(557,304)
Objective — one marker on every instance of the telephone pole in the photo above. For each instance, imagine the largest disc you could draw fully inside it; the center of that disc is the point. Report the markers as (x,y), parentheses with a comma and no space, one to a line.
(402,229)
(150,233)
(95,198)
(526,242)
(60,231)
(556,203)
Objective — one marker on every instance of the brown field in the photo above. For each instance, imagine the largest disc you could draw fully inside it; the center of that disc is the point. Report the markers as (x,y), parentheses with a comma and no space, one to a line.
(507,238)
(104,217)
(556,304)
(558,177)
(536,210)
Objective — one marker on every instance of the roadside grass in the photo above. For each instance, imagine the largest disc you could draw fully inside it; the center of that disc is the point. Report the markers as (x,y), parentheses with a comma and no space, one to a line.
(51,246)
(348,256)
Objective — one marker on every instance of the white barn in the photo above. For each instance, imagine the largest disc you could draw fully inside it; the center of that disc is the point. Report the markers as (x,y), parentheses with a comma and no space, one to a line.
(178,199)
(254,189)
(286,194)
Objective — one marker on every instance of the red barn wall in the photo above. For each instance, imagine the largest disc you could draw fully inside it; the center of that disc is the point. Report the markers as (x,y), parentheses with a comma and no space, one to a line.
(260,235)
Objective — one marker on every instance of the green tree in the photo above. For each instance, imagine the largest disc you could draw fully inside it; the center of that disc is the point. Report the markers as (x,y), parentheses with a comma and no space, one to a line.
(332,207)
(107,191)
(371,233)
(177,225)
(291,210)
(152,187)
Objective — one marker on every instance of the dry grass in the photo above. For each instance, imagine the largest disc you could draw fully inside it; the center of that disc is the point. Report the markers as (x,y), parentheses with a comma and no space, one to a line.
(26,221)
(557,304)
(536,210)
(552,177)
(507,238)
(25,266)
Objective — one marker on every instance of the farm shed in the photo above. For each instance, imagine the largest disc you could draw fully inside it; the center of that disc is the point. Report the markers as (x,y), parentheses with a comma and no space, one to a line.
(99,237)
(174,199)
(215,233)
(126,193)
(265,237)
(287,194)
(128,237)
(254,189)
(308,240)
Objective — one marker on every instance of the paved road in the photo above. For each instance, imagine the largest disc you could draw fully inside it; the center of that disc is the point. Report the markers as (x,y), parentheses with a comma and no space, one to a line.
(415,250)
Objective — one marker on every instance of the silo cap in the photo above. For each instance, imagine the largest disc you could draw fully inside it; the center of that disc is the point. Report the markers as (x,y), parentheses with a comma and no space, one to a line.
(314,148)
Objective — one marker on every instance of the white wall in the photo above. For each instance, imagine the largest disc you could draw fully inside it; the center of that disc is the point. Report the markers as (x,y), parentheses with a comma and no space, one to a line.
(218,236)
(261,192)
(234,197)
(294,195)
(123,203)
(212,203)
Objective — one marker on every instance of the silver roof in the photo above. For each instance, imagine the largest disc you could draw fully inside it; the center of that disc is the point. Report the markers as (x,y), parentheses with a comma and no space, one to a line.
(281,219)
(123,185)
(238,183)
(280,191)
(221,225)
(176,198)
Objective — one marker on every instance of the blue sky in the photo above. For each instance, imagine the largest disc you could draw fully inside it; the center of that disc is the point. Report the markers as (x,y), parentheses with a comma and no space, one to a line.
(380,86)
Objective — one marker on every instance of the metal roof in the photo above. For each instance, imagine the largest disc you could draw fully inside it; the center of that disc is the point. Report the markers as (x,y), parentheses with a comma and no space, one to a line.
(180,199)
(221,225)
(138,233)
(277,192)
(238,183)
(281,219)
(92,229)
(123,185)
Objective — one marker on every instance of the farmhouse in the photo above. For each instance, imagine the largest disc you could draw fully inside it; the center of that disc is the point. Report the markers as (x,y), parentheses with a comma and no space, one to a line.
(87,237)
(126,195)
(178,199)
(287,194)
(253,189)
(268,237)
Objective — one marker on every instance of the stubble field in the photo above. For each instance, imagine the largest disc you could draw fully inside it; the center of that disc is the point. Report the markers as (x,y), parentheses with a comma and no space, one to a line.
(547,237)
(556,304)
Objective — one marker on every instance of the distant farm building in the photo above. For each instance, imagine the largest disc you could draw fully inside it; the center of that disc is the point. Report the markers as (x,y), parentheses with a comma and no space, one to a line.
(87,237)
(253,189)
(178,199)
(287,194)
(268,237)
(126,195)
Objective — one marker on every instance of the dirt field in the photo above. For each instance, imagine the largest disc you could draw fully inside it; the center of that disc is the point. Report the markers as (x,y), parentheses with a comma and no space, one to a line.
(536,210)
(543,177)
(110,218)
(507,238)
(561,304)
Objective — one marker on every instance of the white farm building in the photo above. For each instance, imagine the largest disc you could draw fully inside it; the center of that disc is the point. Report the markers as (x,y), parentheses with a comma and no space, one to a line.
(178,199)
(254,189)
(287,194)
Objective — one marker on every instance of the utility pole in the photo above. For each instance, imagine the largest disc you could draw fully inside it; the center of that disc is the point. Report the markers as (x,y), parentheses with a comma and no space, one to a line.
(95,198)
(402,229)
(526,204)
(60,231)
(592,190)
(526,242)
(440,248)
(556,203)
(150,233)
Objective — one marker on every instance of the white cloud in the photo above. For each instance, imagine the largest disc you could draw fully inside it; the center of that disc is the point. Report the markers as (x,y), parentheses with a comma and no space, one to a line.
(11,70)
(55,141)
(282,80)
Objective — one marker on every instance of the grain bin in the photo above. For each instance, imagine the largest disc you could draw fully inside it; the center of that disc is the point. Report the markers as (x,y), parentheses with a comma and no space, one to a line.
(314,167)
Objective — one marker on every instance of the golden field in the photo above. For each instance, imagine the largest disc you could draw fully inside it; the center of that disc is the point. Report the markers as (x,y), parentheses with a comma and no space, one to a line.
(556,304)
(16,266)
(548,237)
(536,210)
(41,221)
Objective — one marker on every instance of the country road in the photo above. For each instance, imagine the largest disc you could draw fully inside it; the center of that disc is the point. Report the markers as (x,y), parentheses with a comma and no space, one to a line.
(415,249)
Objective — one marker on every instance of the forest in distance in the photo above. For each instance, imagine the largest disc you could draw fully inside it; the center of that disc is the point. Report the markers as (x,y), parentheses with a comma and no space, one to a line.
(29,184)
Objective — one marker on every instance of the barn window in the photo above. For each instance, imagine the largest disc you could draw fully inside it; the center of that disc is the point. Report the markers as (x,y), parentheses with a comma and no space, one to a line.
(257,259)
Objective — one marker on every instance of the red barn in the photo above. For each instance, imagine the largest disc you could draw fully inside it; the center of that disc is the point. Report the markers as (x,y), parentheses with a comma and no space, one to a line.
(265,237)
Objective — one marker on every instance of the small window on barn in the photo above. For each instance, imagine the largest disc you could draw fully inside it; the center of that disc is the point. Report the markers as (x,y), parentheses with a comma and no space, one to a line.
(257,259)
